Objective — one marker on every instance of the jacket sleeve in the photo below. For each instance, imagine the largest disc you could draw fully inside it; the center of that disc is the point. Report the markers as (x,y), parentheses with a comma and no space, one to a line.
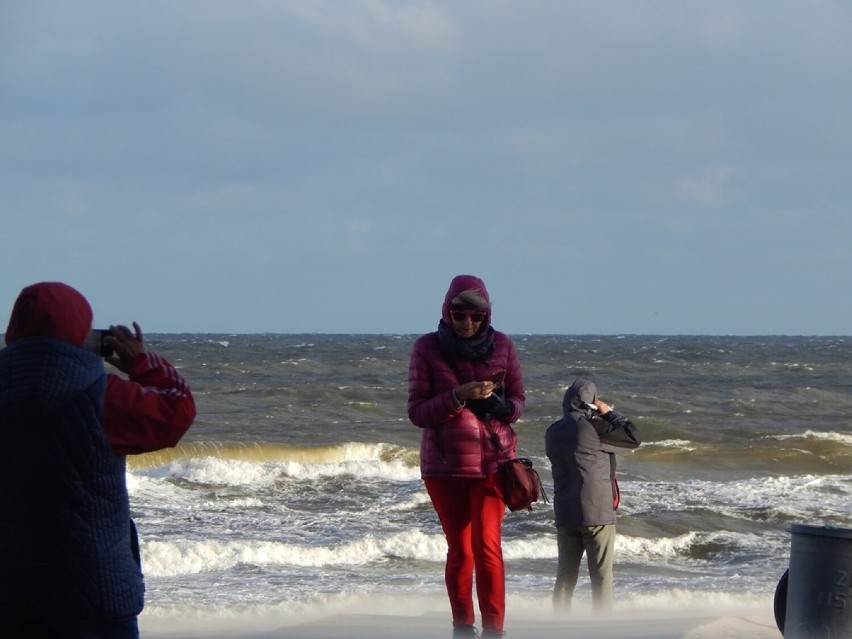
(151,410)
(426,407)
(614,429)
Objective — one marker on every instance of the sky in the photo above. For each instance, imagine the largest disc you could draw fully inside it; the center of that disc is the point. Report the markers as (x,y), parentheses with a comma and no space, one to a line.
(327,166)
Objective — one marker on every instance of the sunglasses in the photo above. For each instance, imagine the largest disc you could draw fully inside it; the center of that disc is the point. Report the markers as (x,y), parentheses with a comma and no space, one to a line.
(475,316)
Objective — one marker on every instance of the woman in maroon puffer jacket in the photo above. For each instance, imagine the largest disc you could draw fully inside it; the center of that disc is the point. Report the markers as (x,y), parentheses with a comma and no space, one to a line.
(464,391)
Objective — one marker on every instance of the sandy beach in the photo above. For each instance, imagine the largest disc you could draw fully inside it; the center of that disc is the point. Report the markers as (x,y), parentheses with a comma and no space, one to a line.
(749,623)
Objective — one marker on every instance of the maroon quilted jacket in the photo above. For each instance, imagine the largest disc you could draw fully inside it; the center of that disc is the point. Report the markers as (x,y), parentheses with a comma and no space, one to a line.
(454,441)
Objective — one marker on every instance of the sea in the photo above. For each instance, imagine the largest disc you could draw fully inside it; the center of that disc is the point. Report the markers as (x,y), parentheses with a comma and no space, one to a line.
(298,486)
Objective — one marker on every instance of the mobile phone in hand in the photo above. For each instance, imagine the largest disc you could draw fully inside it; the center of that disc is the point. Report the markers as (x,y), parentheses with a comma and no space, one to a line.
(497,378)
(95,342)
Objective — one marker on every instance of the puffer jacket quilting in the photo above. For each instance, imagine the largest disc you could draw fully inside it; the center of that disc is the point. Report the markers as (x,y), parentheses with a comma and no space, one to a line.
(454,441)
(65,548)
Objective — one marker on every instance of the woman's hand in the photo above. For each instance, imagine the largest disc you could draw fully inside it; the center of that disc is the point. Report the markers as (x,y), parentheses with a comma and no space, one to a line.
(475,390)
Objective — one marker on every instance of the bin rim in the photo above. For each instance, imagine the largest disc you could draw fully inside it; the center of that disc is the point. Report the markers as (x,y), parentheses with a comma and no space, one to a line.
(821,531)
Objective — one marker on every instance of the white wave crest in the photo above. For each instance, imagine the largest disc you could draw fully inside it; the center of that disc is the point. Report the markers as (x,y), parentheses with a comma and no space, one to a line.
(660,547)
(832,436)
(822,498)
(681,444)
(172,558)
(162,558)
(364,461)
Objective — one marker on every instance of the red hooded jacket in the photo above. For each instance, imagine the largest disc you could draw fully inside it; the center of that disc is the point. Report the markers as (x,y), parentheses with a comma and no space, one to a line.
(150,411)
(454,441)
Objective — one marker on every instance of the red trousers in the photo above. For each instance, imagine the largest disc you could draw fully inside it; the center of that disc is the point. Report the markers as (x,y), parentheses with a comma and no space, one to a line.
(471,514)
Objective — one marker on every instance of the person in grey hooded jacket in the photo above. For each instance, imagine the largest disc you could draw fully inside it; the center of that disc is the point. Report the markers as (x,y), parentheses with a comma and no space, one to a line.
(581,447)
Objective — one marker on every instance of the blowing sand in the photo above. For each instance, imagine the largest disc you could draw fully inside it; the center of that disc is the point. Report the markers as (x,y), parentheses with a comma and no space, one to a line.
(434,623)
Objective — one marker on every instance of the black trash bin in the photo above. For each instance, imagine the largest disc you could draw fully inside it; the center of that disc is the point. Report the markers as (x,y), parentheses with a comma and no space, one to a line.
(819,583)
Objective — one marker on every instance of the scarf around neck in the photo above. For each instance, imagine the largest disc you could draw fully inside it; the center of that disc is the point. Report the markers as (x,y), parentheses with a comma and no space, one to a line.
(476,347)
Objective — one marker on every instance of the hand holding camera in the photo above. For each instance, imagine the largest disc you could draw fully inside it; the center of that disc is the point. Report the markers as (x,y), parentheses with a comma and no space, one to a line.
(118,345)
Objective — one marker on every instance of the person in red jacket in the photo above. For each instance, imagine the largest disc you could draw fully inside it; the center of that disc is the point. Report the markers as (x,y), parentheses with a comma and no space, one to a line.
(69,562)
(150,410)
(465,389)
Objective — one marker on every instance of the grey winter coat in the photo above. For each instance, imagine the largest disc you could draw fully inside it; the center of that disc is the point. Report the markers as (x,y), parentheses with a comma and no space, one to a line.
(581,447)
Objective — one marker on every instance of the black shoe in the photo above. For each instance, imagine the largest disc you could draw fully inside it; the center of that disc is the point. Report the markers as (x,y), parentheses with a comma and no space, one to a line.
(492,634)
(465,632)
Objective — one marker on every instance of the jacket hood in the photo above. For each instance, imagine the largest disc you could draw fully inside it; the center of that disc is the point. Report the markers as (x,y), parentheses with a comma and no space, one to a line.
(459,284)
(582,391)
(50,309)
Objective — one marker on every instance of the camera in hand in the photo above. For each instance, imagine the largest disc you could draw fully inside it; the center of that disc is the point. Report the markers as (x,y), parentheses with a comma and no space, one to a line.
(95,342)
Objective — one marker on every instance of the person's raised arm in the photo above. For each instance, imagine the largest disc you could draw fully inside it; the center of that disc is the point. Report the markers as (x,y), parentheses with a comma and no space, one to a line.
(152,409)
